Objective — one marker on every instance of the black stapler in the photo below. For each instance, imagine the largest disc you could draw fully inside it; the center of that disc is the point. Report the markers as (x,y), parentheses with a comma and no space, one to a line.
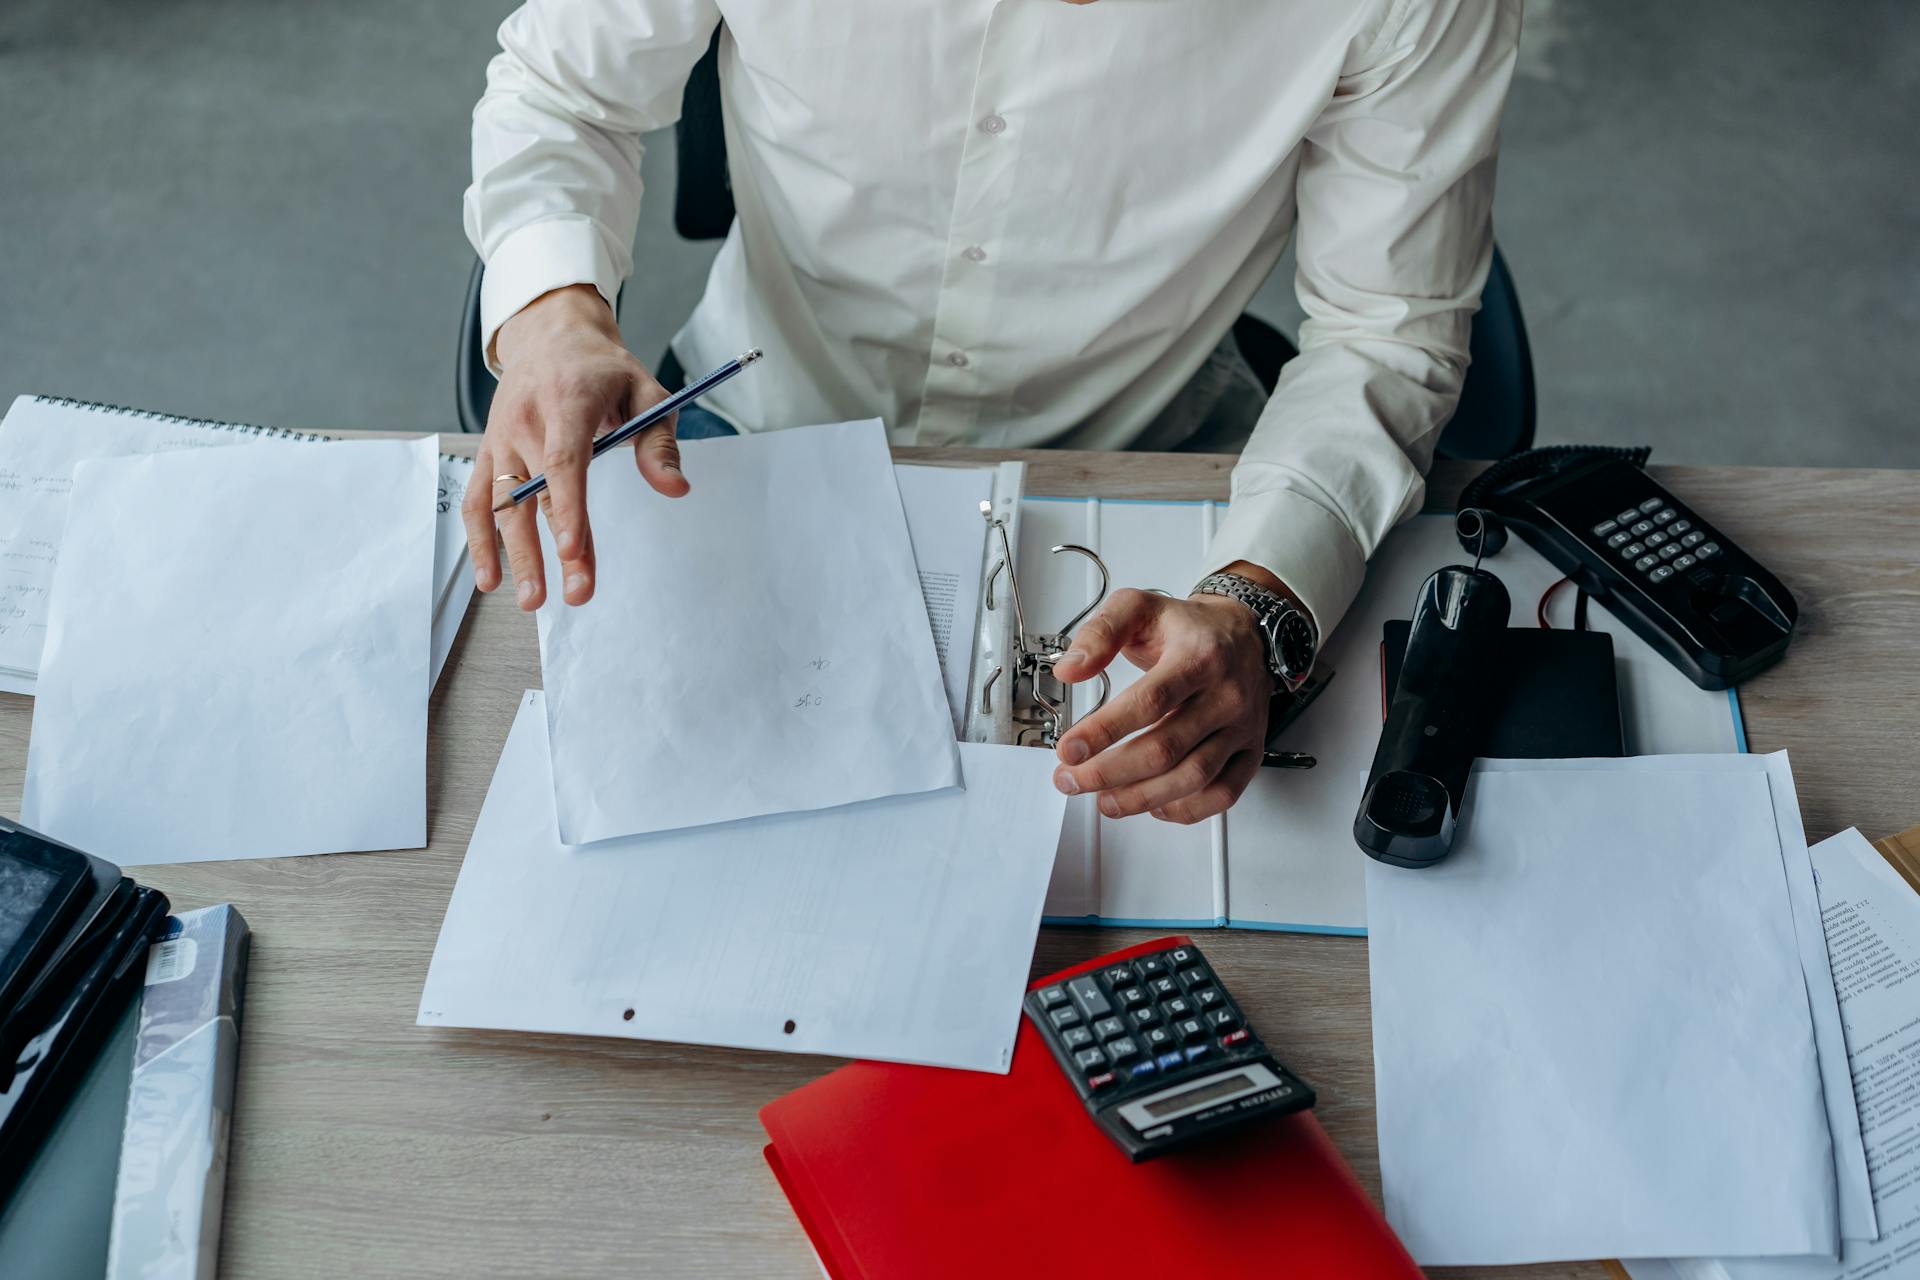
(1436,720)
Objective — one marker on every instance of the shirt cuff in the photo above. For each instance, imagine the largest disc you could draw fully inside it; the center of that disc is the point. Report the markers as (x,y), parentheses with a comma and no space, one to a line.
(537,259)
(1299,542)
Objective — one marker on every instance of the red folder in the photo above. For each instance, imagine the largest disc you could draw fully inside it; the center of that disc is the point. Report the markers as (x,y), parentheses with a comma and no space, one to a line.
(899,1171)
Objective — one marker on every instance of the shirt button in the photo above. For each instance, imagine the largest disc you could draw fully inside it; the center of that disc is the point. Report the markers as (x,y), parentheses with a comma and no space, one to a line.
(974,253)
(958,359)
(993,124)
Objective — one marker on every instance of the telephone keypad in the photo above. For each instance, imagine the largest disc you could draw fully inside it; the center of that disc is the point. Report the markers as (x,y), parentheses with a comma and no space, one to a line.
(1656,538)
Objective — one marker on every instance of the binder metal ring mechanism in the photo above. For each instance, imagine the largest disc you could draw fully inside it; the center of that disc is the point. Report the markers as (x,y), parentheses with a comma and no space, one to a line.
(1013,696)
(1020,700)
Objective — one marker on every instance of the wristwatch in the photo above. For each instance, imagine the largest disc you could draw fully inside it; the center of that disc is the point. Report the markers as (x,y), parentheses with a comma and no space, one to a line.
(1285,627)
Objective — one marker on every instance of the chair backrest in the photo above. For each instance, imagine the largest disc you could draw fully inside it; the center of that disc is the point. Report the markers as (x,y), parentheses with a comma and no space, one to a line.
(702,193)
(702,210)
(1495,417)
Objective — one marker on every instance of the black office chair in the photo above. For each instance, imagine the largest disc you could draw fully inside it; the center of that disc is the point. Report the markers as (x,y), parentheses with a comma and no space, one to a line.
(1496,413)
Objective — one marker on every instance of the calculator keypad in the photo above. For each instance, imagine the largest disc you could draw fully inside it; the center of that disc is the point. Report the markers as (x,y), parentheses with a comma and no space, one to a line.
(1131,1023)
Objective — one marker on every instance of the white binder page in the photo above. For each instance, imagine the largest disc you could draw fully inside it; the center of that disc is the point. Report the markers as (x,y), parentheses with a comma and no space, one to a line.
(899,929)
(949,550)
(1603,983)
(758,646)
(237,656)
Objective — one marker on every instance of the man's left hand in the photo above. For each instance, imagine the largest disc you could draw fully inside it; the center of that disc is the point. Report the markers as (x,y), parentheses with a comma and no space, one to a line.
(1205,695)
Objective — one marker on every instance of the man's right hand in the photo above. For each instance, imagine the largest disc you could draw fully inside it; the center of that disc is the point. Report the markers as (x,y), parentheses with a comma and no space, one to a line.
(566,377)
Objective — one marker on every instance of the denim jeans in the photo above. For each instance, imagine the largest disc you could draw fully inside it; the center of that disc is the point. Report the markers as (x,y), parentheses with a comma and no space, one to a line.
(697,422)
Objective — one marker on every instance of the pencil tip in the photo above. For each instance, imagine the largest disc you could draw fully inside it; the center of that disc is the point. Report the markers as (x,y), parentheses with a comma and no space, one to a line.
(753,353)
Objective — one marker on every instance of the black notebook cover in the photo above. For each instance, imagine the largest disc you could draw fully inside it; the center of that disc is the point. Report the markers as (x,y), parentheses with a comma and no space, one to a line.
(1559,699)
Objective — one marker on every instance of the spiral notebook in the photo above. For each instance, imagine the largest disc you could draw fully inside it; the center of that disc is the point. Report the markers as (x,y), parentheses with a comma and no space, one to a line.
(43,437)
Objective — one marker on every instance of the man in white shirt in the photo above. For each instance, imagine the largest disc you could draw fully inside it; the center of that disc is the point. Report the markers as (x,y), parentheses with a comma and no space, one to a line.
(1020,223)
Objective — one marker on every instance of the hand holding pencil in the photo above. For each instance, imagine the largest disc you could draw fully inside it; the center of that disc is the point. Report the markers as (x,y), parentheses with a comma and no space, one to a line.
(569,391)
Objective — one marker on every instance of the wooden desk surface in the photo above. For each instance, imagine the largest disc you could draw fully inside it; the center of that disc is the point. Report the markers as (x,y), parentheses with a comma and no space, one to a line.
(364,1145)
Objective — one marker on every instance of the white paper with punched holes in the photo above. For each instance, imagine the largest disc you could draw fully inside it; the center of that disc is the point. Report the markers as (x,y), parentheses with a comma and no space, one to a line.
(898,929)
(758,646)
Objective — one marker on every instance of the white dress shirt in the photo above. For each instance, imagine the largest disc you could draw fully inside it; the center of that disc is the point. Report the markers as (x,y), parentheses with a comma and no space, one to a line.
(1026,223)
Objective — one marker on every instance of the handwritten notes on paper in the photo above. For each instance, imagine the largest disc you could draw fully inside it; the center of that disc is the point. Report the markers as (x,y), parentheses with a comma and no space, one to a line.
(759,646)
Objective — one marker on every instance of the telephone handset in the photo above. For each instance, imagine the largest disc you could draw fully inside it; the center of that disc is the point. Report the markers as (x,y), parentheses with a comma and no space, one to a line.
(1680,584)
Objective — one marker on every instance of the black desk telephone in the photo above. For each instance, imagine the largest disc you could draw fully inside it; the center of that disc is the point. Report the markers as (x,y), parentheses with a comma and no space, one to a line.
(1702,603)
(1595,514)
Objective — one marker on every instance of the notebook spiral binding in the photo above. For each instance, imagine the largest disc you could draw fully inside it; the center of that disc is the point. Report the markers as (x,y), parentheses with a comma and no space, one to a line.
(210,424)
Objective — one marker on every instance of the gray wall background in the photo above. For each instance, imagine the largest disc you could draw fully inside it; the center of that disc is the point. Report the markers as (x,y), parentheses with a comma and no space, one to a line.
(249,209)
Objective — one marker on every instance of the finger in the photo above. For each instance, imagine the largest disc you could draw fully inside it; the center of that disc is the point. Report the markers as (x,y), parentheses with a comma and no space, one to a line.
(569,440)
(1151,754)
(517,530)
(476,512)
(1189,776)
(1101,638)
(657,453)
(1218,796)
(1150,699)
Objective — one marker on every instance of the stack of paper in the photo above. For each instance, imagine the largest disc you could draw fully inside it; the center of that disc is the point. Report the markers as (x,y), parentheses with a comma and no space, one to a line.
(898,929)
(1872,922)
(237,655)
(1606,1025)
(42,440)
(760,646)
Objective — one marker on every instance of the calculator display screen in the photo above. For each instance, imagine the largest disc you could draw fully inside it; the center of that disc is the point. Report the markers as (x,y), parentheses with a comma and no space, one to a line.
(1200,1094)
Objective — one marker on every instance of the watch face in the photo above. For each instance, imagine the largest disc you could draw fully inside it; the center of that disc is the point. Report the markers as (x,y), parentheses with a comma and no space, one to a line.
(1295,645)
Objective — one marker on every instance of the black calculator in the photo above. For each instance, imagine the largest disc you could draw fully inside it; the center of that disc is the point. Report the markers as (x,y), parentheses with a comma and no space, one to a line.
(1157,1049)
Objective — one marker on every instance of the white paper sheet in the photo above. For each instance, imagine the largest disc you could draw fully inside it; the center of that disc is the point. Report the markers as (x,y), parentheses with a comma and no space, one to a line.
(1836,1077)
(949,550)
(758,646)
(43,439)
(237,655)
(899,929)
(1872,920)
(1592,1035)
